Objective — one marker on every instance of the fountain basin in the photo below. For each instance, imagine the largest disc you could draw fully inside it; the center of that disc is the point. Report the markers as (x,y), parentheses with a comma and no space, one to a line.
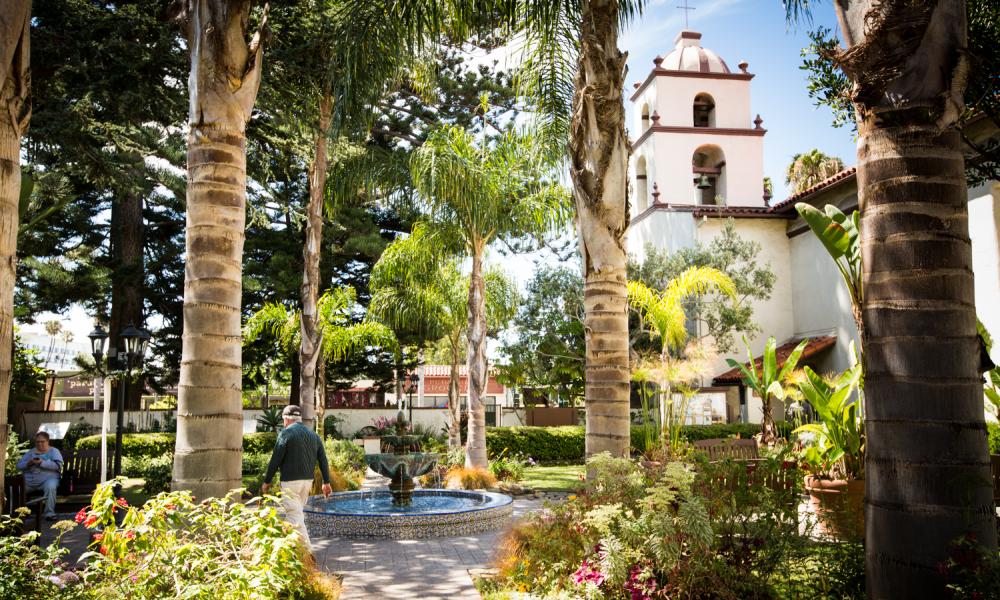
(432,513)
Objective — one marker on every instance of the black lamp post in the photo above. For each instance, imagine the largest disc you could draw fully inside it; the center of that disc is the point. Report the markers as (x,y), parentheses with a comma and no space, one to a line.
(414,380)
(135,342)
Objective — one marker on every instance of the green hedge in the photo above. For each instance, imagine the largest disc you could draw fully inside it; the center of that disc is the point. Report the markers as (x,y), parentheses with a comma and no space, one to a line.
(552,444)
(543,444)
(134,445)
(994,437)
(152,445)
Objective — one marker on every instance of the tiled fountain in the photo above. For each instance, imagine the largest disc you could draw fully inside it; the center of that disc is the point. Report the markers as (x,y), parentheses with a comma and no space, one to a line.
(402,512)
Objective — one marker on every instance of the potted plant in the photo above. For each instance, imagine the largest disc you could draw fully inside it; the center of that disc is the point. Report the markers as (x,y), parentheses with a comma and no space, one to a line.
(835,451)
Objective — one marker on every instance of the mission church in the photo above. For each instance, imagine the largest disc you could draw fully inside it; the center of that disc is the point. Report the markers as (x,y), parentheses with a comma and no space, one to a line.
(698,162)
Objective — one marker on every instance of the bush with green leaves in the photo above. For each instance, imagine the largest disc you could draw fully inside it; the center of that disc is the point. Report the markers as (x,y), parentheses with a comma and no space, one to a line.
(28,570)
(77,430)
(156,472)
(15,450)
(135,445)
(542,444)
(508,467)
(178,548)
(158,444)
(993,432)
(676,529)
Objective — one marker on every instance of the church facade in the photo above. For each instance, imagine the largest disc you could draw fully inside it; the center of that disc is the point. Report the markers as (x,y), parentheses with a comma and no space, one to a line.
(698,162)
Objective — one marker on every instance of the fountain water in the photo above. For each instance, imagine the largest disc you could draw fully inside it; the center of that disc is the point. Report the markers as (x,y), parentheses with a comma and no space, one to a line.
(403,512)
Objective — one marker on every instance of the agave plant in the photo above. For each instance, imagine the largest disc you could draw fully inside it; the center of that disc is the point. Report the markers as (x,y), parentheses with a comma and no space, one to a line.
(839,446)
(270,419)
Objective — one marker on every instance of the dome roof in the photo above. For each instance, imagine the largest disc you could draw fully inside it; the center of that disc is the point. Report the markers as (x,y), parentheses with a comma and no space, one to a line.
(688,55)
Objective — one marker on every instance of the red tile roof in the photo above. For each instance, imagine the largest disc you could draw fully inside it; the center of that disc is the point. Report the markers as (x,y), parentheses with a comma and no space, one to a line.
(790,201)
(815,346)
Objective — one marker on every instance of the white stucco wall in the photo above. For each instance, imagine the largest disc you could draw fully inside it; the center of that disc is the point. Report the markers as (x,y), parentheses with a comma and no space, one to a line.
(674,100)
(984,231)
(668,164)
(775,315)
(664,230)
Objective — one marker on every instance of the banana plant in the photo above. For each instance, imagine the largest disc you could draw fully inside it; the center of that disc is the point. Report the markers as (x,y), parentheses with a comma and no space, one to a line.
(768,382)
(840,235)
(838,449)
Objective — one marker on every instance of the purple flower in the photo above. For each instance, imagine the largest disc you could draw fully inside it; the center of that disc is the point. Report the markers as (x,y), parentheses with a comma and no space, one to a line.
(640,585)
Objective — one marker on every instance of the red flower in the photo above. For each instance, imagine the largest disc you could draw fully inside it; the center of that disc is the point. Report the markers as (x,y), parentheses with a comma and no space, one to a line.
(89,521)
(81,515)
(130,534)
(98,537)
(171,507)
(103,550)
(121,502)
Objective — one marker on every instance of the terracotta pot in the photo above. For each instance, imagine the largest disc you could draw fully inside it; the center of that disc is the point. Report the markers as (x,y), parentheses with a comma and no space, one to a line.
(839,506)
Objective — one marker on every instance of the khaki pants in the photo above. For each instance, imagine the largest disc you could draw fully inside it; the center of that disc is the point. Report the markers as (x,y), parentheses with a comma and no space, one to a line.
(294,495)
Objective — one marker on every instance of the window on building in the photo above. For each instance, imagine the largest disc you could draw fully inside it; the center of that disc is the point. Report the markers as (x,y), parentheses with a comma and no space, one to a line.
(704,111)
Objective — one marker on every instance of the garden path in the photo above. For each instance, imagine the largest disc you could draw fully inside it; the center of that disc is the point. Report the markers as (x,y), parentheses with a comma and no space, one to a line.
(433,569)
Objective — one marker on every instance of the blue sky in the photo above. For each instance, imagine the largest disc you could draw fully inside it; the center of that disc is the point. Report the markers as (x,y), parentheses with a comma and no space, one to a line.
(755,31)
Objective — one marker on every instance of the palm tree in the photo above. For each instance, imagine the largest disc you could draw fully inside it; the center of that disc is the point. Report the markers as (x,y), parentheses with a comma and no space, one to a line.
(15,111)
(576,71)
(478,193)
(414,288)
(810,168)
(225,75)
(664,313)
(927,465)
(340,336)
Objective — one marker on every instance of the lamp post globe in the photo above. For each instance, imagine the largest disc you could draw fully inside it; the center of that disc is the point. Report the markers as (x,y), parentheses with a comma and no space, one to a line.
(98,338)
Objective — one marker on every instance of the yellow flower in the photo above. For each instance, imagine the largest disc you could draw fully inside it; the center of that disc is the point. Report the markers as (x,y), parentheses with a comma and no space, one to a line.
(571,497)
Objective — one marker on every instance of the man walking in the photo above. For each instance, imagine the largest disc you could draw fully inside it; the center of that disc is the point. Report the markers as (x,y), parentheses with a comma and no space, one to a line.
(42,466)
(295,455)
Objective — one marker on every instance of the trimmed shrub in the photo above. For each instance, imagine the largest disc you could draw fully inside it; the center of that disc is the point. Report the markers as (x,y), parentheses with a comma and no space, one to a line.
(134,445)
(560,444)
(261,442)
(155,472)
(157,444)
(542,444)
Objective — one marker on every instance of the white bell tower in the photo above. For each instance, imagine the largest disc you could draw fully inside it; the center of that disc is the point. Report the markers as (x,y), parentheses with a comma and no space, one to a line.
(696,143)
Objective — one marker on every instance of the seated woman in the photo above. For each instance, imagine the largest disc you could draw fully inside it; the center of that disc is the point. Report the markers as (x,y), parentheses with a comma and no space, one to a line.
(42,466)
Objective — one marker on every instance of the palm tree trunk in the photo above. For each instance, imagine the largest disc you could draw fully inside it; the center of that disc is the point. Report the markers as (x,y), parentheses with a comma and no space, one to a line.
(14,115)
(599,155)
(225,76)
(927,464)
(475,445)
(311,348)
(454,399)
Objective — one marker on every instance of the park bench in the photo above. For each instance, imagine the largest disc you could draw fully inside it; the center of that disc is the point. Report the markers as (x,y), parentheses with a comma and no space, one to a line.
(15,496)
(721,449)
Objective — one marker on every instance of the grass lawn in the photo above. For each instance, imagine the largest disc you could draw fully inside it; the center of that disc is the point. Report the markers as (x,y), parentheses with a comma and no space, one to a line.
(559,478)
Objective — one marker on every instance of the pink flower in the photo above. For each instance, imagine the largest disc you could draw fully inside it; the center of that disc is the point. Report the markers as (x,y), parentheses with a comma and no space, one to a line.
(98,537)
(122,502)
(587,574)
(81,515)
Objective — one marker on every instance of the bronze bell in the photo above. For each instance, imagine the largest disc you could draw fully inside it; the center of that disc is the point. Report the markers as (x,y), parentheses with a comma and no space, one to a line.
(703,182)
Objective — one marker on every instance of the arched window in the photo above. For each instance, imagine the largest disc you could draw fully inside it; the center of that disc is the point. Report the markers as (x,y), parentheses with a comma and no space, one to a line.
(641,185)
(645,118)
(708,169)
(704,111)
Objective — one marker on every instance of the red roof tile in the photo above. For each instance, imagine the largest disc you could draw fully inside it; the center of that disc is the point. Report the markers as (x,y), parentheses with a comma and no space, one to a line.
(815,346)
(837,178)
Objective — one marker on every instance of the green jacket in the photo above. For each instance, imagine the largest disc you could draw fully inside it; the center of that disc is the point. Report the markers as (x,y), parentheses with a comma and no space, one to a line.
(295,454)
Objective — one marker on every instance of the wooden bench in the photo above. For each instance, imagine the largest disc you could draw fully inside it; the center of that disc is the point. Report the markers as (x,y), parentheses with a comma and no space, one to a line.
(721,449)
(15,496)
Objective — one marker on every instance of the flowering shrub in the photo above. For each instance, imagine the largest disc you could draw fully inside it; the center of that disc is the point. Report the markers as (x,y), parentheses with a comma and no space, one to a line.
(673,529)
(971,573)
(175,547)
